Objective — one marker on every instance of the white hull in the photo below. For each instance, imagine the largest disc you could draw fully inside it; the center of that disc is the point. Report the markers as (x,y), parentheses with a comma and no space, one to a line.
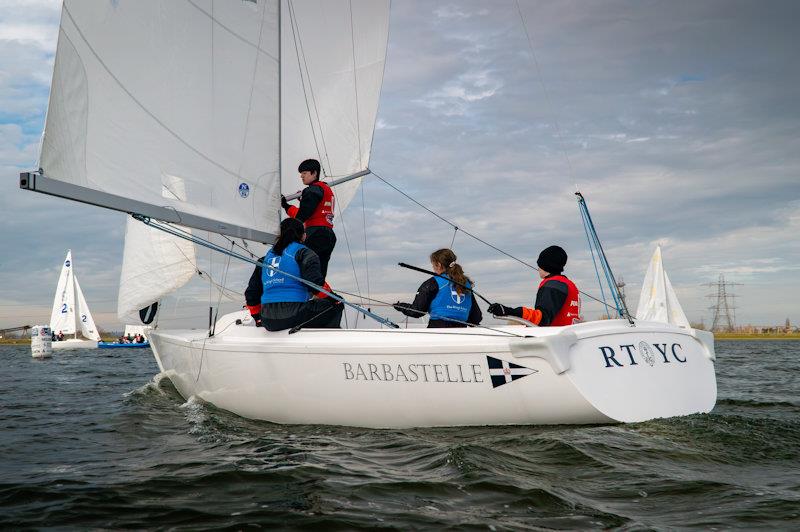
(596,372)
(73,343)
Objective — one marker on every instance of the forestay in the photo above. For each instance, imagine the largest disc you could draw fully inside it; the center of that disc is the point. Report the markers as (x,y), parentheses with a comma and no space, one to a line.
(658,301)
(144,91)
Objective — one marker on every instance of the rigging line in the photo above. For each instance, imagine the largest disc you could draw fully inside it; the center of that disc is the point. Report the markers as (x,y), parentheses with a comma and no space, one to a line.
(349,252)
(591,250)
(231,31)
(253,83)
(168,228)
(310,87)
(141,105)
(219,299)
(220,288)
(355,84)
(546,92)
(448,222)
(297,47)
(453,241)
(364,224)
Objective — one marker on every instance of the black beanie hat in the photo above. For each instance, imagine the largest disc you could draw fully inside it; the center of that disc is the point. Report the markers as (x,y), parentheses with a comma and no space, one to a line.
(552,259)
(309,165)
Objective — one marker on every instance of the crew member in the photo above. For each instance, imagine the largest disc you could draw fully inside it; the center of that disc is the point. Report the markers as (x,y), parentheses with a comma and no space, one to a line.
(557,301)
(444,296)
(277,299)
(316,212)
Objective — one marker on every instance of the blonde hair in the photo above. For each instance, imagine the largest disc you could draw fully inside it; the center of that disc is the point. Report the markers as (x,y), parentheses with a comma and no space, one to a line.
(447,260)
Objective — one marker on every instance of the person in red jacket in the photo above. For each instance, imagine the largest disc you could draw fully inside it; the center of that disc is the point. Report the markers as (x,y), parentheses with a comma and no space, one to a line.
(316,212)
(557,301)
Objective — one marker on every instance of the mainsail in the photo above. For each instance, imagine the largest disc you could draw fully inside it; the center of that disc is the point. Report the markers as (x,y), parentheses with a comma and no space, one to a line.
(62,317)
(225,94)
(658,301)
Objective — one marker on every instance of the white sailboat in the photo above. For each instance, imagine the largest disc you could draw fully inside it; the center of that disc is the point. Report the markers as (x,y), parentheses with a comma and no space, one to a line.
(220,93)
(658,301)
(70,314)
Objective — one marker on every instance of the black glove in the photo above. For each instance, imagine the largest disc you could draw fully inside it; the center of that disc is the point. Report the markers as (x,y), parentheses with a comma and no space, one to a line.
(400,307)
(498,310)
(257,319)
(284,203)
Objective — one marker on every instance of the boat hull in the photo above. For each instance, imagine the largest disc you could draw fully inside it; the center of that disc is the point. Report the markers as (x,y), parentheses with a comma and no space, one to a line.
(445,377)
(73,343)
(117,345)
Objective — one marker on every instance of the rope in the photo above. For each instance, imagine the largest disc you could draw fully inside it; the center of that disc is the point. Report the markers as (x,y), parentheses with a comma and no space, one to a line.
(299,50)
(364,225)
(546,92)
(355,84)
(302,79)
(182,233)
(454,226)
(347,241)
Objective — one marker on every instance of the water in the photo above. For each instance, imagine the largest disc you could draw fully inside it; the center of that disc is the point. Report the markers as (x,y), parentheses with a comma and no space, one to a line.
(87,439)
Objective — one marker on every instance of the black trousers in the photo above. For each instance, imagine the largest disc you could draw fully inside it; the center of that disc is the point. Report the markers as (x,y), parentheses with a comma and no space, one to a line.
(313,314)
(321,240)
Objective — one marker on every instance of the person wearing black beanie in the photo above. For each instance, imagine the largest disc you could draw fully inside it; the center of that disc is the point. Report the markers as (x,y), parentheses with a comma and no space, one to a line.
(557,301)
(315,211)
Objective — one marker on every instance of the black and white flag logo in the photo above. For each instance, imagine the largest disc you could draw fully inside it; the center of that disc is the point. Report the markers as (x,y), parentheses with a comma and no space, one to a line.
(503,372)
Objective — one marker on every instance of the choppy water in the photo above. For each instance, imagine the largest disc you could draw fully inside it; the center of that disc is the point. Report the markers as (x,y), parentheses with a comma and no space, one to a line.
(88,440)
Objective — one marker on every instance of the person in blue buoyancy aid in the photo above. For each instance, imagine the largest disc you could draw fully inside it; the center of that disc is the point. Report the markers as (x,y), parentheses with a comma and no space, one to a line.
(448,304)
(277,300)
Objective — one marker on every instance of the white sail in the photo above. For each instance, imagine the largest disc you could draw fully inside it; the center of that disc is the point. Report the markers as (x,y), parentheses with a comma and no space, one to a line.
(84,316)
(133,330)
(62,317)
(333,57)
(149,89)
(204,90)
(154,263)
(658,301)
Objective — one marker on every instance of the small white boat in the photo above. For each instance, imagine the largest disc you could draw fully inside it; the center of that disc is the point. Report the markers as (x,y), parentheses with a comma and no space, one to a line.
(70,314)
(596,372)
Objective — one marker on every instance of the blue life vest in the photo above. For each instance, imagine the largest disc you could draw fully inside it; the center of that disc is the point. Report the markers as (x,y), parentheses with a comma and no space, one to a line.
(448,303)
(280,288)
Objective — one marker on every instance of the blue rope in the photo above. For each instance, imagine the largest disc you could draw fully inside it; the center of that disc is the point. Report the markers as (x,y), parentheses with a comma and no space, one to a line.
(591,250)
(594,244)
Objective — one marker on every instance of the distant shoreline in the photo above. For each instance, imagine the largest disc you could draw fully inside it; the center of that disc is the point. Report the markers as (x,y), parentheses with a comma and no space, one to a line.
(774,336)
(717,336)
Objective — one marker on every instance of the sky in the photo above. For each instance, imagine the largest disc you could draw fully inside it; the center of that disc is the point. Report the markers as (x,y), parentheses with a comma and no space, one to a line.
(679,121)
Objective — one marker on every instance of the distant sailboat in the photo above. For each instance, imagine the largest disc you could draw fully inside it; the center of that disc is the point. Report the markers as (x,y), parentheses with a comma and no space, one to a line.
(658,301)
(71,315)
